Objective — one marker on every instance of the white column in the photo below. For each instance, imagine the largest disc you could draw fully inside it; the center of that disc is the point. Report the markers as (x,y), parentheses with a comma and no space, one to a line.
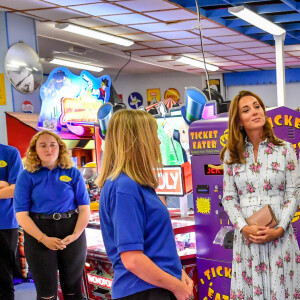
(280,69)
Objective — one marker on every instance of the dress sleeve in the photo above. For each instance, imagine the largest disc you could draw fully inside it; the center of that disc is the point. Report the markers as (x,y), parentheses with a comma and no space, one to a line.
(14,167)
(230,196)
(81,195)
(22,194)
(290,202)
(128,218)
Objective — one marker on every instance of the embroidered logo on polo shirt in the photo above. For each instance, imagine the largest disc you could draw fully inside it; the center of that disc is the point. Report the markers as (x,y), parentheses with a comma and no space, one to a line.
(65,178)
(3,163)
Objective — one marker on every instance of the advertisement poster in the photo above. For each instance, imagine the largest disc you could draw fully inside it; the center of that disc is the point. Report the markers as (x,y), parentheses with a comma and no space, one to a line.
(172,93)
(2,90)
(214,84)
(153,96)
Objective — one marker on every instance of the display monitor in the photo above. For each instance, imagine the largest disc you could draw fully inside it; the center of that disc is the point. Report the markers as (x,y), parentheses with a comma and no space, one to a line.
(209,110)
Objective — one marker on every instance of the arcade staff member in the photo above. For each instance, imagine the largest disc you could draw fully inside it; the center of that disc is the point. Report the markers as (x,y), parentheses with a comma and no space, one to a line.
(10,167)
(52,205)
(135,224)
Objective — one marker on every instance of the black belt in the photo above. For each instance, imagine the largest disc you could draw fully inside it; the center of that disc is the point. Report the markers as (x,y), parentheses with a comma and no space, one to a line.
(55,216)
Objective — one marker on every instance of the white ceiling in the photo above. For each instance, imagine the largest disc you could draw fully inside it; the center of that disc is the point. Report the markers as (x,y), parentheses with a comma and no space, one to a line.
(159,29)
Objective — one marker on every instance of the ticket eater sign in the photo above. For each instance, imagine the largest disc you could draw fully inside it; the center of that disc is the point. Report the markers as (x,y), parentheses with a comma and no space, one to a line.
(170,181)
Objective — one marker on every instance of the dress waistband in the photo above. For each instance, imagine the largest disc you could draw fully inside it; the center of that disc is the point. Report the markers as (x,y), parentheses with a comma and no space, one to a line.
(261,200)
(55,216)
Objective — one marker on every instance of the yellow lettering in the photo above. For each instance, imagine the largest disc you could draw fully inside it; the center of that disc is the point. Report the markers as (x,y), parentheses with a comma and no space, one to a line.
(271,122)
(288,120)
(207,274)
(297,122)
(219,270)
(214,144)
(216,133)
(192,135)
(210,292)
(213,272)
(227,272)
(225,297)
(218,296)
(277,119)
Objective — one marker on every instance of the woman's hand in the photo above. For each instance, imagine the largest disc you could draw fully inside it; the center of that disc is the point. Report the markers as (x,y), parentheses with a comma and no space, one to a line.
(252,230)
(69,239)
(53,243)
(266,235)
(183,291)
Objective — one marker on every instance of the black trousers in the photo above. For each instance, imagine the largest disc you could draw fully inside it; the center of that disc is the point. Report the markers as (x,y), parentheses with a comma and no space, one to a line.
(44,263)
(151,294)
(8,248)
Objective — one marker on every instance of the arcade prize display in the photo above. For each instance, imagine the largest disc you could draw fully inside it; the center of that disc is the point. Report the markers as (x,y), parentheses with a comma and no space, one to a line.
(214,232)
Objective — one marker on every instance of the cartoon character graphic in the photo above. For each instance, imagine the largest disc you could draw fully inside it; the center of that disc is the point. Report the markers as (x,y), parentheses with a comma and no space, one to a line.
(58,87)
(135,100)
(100,93)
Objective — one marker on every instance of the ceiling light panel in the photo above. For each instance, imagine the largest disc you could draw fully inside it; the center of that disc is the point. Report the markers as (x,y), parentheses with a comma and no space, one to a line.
(94,34)
(73,64)
(101,9)
(127,19)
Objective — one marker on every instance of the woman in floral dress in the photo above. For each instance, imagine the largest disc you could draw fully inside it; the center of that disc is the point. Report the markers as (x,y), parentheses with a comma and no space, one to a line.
(260,169)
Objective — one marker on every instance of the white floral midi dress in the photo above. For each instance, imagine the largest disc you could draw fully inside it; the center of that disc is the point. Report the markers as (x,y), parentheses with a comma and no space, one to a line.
(268,271)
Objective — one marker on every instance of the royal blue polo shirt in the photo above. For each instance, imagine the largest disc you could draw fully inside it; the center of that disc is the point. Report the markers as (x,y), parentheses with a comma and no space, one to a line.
(10,167)
(132,218)
(49,191)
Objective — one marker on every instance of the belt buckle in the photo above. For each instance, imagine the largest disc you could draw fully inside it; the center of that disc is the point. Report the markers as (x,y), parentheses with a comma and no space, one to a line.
(56,216)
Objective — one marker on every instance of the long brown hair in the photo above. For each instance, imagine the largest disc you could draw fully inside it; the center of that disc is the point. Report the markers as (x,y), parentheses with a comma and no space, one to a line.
(32,162)
(131,147)
(236,135)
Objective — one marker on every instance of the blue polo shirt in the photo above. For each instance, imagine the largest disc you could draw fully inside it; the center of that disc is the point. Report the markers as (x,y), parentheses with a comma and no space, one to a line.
(132,218)
(10,167)
(49,191)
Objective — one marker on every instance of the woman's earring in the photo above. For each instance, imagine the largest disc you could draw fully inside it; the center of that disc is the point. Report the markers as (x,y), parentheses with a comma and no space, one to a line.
(241,128)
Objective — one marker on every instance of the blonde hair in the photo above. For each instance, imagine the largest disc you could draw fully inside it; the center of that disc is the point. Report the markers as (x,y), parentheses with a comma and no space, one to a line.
(131,147)
(31,160)
(236,137)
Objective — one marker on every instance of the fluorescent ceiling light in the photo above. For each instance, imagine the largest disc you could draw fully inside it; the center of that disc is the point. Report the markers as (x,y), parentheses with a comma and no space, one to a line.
(255,19)
(73,64)
(95,34)
(195,63)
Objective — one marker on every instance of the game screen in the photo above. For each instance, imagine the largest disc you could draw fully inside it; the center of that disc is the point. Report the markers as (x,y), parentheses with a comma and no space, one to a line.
(171,149)
(173,133)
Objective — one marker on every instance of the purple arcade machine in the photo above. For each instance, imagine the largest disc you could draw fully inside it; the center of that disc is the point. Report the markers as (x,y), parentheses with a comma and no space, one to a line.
(214,232)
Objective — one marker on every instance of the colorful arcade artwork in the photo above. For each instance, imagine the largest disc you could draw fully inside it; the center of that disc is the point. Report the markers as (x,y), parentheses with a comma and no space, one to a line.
(153,96)
(70,100)
(135,100)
